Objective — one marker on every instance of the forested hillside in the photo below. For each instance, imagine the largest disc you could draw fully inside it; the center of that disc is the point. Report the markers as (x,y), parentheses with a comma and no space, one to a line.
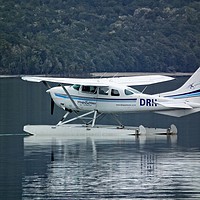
(68,37)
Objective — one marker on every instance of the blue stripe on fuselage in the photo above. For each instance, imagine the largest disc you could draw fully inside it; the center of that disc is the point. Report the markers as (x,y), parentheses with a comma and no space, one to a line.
(93,99)
(186,95)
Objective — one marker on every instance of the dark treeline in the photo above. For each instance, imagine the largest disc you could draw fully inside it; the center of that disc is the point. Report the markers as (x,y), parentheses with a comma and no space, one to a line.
(70,37)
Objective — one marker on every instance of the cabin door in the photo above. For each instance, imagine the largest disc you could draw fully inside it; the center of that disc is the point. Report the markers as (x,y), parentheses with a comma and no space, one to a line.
(88,97)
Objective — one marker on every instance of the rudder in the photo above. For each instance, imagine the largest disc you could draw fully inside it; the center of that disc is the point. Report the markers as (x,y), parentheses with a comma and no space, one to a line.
(190,90)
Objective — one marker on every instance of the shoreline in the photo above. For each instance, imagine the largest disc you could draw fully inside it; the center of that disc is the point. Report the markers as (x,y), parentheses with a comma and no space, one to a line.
(124,74)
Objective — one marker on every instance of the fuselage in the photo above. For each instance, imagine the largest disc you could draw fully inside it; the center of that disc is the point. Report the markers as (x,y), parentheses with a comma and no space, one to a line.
(107,99)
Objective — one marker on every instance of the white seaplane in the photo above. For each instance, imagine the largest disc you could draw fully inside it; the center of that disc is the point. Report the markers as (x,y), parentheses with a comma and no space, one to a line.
(98,96)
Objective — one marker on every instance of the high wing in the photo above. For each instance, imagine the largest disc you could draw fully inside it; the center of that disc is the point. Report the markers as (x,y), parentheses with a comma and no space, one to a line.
(128,81)
(140,80)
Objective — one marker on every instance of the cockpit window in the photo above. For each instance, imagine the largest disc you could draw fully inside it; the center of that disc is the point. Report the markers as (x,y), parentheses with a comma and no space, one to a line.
(128,92)
(89,89)
(76,87)
(104,90)
(114,92)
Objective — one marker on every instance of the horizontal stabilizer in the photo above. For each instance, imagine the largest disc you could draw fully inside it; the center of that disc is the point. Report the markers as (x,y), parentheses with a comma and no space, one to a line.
(173,104)
(178,112)
(128,81)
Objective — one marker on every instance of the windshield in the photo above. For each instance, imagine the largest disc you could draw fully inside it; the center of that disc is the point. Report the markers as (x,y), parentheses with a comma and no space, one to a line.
(130,91)
(76,87)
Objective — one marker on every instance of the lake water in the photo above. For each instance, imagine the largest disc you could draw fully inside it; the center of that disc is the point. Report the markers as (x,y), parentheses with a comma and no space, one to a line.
(61,167)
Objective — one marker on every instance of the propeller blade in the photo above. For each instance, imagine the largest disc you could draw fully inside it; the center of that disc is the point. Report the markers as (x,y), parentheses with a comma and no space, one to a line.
(52,106)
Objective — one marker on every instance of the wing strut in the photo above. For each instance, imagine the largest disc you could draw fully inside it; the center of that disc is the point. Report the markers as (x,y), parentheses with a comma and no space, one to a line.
(94,118)
(62,120)
(65,90)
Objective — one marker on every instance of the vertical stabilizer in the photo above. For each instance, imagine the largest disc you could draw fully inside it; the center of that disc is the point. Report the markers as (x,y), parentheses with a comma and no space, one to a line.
(190,90)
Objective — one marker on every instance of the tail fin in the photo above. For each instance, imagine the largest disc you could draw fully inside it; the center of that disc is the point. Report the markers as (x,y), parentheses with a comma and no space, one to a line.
(190,90)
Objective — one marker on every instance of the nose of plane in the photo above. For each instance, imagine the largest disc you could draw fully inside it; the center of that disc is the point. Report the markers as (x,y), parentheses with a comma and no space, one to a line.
(58,101)
(50,91)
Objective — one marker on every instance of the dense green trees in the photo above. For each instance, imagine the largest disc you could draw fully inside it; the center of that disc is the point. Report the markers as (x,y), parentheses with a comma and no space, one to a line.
(69,37)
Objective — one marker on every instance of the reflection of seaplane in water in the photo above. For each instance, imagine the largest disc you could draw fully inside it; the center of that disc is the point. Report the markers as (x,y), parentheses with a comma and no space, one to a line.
(98,96)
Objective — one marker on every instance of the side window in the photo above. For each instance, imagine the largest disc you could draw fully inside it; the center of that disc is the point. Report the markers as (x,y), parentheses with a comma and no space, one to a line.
(85,88)
(89,89)
(93,89)
(114,92)
(104,90)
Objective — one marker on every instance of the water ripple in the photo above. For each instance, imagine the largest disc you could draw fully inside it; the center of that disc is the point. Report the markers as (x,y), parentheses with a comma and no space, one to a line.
(89,169)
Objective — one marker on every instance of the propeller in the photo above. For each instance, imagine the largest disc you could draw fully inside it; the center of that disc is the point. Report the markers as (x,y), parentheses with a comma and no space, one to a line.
(52,102)
(52,106)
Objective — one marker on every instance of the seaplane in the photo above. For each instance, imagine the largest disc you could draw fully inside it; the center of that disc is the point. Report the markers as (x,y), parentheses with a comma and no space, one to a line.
(96,97)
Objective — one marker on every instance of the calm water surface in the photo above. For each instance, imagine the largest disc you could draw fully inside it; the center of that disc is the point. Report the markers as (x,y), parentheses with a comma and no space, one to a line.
(60,167)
